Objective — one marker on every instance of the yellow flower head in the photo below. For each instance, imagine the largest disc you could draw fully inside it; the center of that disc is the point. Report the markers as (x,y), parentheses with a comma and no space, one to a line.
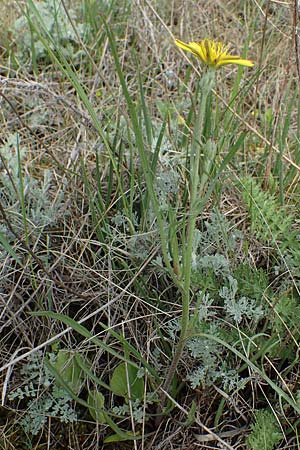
(214,54)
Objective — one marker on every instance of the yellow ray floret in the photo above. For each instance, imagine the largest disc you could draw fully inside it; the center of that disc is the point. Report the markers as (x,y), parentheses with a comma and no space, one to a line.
(214,54)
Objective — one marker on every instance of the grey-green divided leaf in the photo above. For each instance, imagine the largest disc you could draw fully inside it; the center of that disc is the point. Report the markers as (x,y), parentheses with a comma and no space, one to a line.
(125,382)
(96,402)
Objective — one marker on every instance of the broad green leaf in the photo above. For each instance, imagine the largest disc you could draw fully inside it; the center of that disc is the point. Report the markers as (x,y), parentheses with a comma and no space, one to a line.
(67,367)
(96,402)
(125,383)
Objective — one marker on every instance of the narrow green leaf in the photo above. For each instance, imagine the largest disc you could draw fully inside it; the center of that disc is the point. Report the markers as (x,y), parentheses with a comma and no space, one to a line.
(255,369)
(84,332)
(4,242)
(118,438)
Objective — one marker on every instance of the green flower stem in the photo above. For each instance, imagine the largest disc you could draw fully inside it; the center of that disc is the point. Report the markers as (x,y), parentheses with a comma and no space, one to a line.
(196,187)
